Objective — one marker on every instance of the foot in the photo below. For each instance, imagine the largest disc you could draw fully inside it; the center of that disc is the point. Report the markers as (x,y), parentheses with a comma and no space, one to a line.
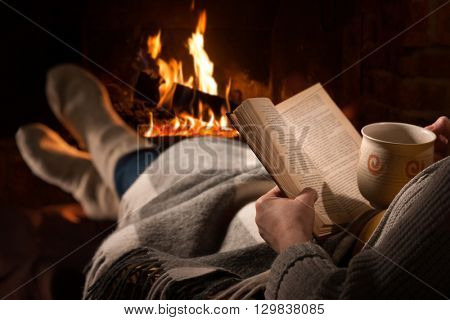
(82,104)
(79,101)
(56,162)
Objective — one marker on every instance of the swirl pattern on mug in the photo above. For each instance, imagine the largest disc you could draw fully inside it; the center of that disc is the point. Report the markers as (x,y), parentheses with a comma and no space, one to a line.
(374,164)
(413,167)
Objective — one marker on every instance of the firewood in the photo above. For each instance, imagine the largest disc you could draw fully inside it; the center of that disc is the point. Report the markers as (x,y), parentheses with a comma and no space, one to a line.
(184,98)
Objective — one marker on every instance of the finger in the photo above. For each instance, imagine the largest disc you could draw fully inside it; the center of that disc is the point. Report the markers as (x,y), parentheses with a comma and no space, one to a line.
(273,193)
(443,139)
(308,196)
(441,127)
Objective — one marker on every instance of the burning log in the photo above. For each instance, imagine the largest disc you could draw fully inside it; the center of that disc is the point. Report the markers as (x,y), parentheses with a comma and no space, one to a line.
(184,97)
(189,113)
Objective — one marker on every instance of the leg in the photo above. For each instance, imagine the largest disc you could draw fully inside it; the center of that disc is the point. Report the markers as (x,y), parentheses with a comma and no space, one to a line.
(130,166)
(82,104)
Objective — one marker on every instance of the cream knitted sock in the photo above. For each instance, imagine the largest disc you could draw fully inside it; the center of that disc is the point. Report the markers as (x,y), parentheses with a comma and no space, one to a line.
(82,104)
(54,161)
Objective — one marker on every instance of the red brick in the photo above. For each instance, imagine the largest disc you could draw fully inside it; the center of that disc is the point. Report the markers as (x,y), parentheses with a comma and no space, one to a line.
(419,35)
(442,26)
(374,111)
(422,94)
(369,32)
(381,86)
(419,117)
(429,63)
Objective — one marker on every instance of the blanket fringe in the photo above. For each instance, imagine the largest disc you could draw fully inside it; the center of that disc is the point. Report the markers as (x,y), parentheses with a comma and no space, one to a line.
(129,277)
(142,274)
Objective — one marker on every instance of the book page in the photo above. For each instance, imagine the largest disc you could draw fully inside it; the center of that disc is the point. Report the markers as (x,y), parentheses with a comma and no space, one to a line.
(277,147)
(326,151)
(266,137)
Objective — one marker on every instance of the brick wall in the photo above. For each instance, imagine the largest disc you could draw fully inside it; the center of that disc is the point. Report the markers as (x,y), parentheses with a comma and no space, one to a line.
(343,45)
(408,79)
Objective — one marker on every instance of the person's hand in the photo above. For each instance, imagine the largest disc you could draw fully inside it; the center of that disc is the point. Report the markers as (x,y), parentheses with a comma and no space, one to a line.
(283,222)
(442,130)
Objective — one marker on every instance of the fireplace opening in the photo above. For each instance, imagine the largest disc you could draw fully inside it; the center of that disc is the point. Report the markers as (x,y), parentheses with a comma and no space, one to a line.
(185,107)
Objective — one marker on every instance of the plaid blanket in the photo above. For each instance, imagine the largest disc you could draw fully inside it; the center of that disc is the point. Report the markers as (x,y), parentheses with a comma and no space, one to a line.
(172,239)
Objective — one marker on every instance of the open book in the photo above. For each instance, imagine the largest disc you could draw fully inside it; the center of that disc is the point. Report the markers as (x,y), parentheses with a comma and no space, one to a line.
(306,141)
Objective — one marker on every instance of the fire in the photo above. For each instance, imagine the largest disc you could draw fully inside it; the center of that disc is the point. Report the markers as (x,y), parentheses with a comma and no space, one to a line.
(224,122)
(154,45)
(187,125)
(203,66)
(151,126)
(171,73)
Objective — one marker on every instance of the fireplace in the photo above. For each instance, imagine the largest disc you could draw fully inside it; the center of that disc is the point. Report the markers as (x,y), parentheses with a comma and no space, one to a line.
(278,48)
(272,48)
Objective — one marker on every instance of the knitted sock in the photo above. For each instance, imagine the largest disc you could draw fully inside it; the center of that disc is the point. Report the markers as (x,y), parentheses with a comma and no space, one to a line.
(54,161)
(82,104)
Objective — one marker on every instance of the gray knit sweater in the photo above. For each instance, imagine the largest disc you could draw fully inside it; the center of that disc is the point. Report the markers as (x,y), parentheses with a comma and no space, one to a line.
(408,257)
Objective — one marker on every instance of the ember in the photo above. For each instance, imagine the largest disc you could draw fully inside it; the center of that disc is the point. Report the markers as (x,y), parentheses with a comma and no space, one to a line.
(185,123)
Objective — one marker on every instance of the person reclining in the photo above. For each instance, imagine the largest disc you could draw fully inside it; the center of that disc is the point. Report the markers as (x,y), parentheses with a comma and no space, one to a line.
(178,231)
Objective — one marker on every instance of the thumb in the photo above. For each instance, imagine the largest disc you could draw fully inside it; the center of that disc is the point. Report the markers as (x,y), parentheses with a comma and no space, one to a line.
(308,196)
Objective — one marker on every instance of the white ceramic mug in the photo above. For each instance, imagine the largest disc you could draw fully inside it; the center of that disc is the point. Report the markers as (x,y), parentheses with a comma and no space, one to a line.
(391,154)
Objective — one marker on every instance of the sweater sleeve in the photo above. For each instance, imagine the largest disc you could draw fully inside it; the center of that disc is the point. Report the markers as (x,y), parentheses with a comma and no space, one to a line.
(300,271)
(406,258)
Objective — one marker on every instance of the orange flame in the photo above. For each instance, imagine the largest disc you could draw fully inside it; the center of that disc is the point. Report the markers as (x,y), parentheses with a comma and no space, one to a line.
(171,74)
(212,120)
(224,121)
(203,66)
(154,45)
(149,132)
(227,95)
